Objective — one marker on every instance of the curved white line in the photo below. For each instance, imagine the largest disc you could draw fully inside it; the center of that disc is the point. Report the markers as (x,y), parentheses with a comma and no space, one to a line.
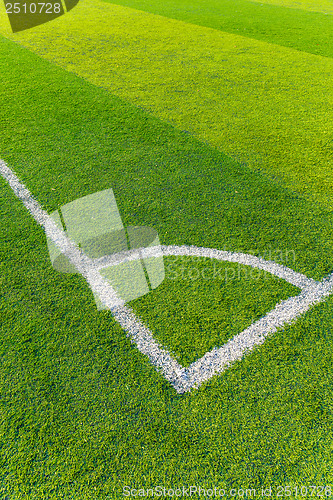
(293,277)
(215,361)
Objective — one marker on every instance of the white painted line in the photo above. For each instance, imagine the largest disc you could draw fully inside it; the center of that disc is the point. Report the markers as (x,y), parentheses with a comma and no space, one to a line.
(84,265)
(124,315)
(297,279)
(213,362)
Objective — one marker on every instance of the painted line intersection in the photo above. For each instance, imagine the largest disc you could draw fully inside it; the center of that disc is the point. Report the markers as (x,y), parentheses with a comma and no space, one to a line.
(219,358)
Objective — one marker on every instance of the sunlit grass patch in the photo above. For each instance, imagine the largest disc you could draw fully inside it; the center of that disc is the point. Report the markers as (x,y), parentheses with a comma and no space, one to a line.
(263,104)
(325,6)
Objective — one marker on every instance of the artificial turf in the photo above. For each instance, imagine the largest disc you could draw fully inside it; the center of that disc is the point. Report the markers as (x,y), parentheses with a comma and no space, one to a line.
(202,304)
(307,27)
(324,6)
(83,412)
(262,103)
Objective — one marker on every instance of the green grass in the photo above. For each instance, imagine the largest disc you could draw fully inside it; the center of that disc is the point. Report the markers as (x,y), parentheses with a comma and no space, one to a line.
(324,6)
(202,304)
(258,102)
(295,28)
(83,412)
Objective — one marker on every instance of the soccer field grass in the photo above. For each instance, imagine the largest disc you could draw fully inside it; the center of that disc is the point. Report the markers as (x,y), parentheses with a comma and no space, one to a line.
(249,98)
(229,152)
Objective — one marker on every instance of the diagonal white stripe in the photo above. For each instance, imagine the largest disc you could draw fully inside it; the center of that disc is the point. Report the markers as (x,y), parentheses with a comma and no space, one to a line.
(212,362)
(124,315)
(68,248)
